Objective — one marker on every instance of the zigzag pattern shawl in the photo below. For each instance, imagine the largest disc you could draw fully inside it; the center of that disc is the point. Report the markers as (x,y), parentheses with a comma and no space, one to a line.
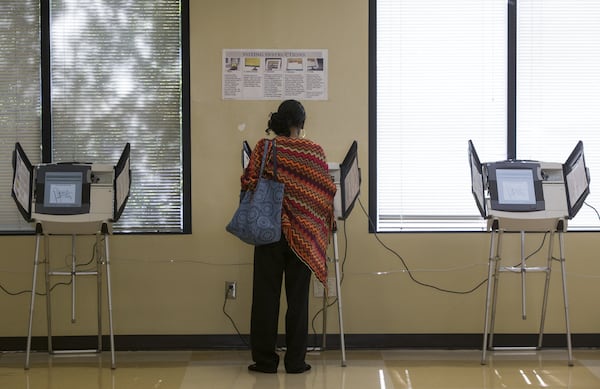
(307,214)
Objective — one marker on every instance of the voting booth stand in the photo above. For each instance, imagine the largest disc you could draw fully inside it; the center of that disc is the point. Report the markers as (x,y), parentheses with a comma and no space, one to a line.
(527,197)
(347,179)
(71,199)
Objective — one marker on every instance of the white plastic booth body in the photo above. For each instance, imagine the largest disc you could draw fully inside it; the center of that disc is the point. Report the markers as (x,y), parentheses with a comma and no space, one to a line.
(527,196)
(72,199)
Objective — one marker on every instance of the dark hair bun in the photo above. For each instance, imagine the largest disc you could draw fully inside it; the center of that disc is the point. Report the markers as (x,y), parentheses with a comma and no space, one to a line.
(276,123)
(289,114)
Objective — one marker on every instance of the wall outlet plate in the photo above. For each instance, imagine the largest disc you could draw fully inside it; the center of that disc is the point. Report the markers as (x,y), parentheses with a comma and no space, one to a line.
(231,289)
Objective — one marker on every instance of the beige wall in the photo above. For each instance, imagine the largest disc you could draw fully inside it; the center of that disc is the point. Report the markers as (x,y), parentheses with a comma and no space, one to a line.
(175,284)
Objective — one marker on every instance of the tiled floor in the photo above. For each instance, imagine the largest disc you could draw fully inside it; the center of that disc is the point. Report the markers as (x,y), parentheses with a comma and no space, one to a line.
(387,369)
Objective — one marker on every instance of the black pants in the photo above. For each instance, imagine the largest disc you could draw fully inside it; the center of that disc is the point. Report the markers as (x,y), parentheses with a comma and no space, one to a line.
(271,263)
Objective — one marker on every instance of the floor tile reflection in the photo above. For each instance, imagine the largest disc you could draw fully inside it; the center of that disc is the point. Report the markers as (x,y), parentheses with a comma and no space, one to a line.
(389,369)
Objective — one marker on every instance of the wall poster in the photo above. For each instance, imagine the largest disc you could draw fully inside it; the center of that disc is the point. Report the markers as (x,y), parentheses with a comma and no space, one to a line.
(272,74)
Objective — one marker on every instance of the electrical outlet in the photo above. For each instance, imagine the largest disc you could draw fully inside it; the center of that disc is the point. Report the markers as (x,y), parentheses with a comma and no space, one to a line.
(231,289)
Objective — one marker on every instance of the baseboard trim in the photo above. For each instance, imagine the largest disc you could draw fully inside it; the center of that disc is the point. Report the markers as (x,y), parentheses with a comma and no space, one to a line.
(352,341)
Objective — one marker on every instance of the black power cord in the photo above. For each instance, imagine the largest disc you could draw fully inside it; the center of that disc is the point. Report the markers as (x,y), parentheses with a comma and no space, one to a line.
(8,292)
(595,210)
(232,321)
(408,271)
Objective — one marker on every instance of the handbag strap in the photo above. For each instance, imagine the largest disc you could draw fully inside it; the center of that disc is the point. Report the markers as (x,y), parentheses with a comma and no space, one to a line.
(264,158)
(274,158)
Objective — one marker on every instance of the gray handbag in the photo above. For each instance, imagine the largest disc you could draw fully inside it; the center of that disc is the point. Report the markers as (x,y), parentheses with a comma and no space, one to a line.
(257,221)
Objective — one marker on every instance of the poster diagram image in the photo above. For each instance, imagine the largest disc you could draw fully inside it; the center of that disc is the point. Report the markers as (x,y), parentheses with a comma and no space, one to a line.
(232,64)
(251,64)
(273,64)
(295,64)
(314,64)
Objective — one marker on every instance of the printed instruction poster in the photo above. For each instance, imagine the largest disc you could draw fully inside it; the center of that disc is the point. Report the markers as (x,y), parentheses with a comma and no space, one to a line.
(271,74)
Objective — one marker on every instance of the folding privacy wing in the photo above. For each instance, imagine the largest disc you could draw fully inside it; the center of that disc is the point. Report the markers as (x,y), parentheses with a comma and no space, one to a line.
(122,184)
(577,180)
(22,186)
(246,151)
(350,180)
(477,180)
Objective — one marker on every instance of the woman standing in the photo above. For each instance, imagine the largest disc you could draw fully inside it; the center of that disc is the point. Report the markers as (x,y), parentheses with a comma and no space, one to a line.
(307,217)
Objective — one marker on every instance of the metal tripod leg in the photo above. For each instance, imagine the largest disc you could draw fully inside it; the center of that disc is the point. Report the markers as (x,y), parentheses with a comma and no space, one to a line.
(73,280)
(494,269)
(339,296)
(546,290)
(109,292)
(496,281)
(324,310)
(32,301)
(72,273)
(99,289)
(48,290)
(491,286)
(565,297)
(523,278)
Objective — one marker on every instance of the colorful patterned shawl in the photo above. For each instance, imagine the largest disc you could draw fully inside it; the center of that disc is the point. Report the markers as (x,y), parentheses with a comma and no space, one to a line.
(307,214)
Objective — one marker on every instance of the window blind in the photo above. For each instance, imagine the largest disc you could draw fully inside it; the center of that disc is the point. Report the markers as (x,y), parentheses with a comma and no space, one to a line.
(19,97)
(116,78)
(558,87)
(441,80)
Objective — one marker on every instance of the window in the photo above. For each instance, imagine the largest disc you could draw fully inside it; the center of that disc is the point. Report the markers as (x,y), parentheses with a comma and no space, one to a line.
(20,104)
(443,73)
(115,72)
(558,87)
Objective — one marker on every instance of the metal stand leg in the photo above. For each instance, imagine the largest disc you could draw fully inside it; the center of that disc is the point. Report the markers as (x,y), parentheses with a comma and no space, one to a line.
(324,340)
(494,269)
(565,297)
(523,278)
(339,296)
(546,290)
(496,281)
(99,289)
(32,301)
(109,291)
(73,279)
(73,273)
(491,273)
(48,291)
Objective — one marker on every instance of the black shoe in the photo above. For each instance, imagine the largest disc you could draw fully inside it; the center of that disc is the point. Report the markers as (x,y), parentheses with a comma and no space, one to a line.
(261,369)
(303,369)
